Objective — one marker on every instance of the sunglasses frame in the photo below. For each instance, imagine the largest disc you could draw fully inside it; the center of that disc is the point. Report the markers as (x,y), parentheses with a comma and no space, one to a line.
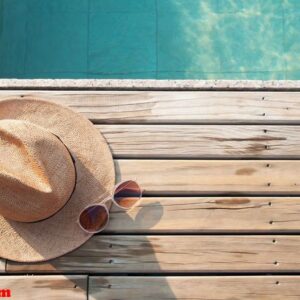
(102,204)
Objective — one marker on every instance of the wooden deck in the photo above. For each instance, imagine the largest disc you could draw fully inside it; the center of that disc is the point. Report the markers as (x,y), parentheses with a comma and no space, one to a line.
(220,217)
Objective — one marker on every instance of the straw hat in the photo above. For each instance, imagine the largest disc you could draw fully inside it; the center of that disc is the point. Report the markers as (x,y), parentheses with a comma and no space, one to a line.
(53,163)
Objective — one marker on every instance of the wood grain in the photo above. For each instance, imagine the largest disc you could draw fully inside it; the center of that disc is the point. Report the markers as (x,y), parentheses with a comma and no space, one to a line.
(201,141)
(177,130)
(177,106)
(196,288)
(45,287)
(188,177)
(199,214)
(182,253)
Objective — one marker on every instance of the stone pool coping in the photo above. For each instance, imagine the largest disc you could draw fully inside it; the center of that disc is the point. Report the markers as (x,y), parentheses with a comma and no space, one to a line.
(128,84)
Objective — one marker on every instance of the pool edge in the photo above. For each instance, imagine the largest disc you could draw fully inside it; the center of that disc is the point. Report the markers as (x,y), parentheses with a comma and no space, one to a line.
(136,84)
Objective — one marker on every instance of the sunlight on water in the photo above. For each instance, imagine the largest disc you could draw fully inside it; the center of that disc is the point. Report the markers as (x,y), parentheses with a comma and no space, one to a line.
(232,41)
(163,39)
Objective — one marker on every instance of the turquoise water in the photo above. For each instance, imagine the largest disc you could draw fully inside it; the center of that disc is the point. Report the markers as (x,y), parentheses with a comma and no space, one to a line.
(162,39)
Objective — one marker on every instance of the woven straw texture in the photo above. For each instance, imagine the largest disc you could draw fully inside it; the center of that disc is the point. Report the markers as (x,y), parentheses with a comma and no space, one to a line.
(37,175)
(94,171)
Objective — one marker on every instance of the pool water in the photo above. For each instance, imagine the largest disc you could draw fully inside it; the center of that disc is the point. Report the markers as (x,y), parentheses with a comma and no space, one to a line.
(160,39)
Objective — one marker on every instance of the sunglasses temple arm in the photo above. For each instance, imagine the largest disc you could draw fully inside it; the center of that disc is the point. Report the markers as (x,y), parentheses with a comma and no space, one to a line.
(106,200)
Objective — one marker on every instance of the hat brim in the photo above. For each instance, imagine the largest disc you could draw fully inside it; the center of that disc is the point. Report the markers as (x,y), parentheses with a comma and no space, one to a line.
(59,234)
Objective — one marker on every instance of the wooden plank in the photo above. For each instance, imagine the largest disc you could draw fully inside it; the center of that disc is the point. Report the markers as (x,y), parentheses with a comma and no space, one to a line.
(182,177)
(196,288)
(176,107)
(2,265)
(181,253)
(44,287)
(199,214)
(194,141)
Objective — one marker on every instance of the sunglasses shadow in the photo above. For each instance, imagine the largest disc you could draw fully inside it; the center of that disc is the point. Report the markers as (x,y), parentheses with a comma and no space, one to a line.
(134,250)
(142,218)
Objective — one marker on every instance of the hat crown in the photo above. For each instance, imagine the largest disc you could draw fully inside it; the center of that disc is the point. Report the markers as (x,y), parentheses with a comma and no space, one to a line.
(37,174)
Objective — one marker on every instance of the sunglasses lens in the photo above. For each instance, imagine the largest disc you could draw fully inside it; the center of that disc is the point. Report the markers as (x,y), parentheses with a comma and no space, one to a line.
(94,218)
(127,194)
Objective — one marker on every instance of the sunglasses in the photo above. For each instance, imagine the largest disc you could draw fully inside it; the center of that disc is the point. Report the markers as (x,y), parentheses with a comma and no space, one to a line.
(94,218)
